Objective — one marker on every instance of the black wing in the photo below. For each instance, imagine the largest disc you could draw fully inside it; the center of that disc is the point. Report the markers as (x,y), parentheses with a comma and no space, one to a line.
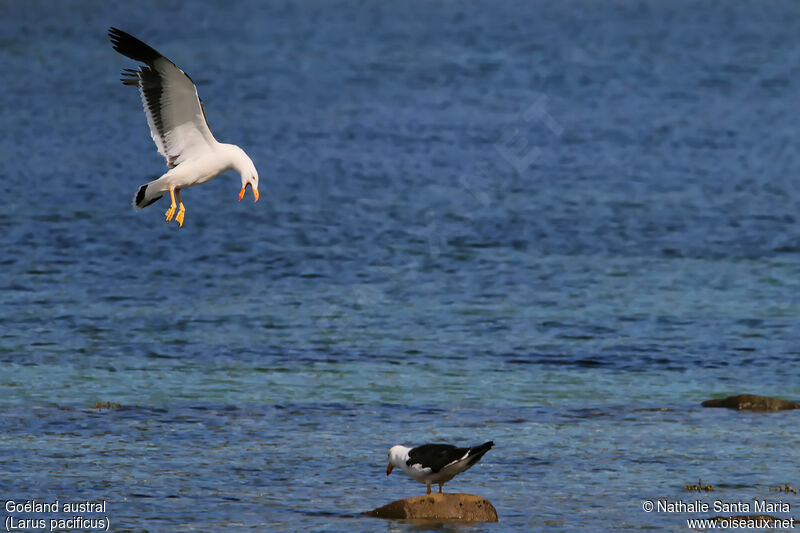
(438,456)
(435,456)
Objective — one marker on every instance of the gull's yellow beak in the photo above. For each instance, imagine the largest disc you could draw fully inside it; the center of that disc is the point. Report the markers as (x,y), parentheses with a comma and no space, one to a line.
(389,469)
(241,193)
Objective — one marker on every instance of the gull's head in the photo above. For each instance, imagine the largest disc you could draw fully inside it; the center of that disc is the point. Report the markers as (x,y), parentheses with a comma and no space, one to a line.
(247,170)
(398,455)
(252,181)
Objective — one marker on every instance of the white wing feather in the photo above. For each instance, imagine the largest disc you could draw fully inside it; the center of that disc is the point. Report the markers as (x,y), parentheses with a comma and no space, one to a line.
(184,128)
(173,108)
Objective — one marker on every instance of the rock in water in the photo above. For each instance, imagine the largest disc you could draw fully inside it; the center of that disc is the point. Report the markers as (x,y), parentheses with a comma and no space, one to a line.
(752,402)
(444,507)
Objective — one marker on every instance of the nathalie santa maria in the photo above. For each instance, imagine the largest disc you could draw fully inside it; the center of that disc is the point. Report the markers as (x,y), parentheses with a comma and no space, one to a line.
(720,506)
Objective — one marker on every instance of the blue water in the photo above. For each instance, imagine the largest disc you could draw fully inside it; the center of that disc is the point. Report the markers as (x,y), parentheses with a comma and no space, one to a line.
(556,225)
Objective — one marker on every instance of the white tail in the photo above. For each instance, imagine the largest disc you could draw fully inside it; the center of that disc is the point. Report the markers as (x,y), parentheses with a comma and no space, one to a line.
(146,195)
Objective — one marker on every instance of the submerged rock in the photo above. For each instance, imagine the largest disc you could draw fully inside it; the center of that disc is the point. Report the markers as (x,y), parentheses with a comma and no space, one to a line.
(439,507)
(752,402)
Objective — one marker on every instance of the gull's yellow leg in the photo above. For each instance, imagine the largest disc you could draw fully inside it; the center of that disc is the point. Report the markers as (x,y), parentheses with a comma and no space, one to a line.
(181,209)
(171,211)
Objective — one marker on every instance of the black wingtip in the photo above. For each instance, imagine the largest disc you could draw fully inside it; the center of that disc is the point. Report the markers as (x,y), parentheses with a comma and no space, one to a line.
(130,77)
(481,449)
(477,453)
(129,46)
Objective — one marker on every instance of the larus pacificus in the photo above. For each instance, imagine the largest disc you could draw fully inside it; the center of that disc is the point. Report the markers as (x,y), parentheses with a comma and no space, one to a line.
(435,463)
(179,128)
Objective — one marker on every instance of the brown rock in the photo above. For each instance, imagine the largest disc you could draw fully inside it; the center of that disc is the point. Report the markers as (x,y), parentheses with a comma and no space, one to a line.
(439,507)
(752,402)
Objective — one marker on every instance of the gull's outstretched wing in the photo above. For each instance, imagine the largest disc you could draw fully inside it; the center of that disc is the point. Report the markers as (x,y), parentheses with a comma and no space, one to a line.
(174,111)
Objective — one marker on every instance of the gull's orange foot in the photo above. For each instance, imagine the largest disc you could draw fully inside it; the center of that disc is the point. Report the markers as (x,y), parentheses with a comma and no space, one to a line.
(169,213)
(179,216)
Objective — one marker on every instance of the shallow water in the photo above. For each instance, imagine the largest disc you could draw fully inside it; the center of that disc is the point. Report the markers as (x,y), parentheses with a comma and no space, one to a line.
(557,227)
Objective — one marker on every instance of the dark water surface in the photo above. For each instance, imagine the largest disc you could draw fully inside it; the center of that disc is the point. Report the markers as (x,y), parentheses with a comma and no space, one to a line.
(560,227)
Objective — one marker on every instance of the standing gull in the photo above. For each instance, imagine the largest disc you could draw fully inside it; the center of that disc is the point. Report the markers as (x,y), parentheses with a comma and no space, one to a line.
(179,128)
(435,463)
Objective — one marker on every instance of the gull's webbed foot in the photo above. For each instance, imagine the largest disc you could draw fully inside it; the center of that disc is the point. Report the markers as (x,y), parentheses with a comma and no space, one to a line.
(169,213)
(181,209)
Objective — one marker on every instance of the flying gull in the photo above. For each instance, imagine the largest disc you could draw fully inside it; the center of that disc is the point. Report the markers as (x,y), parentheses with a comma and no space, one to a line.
(179,128)
(435,463)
